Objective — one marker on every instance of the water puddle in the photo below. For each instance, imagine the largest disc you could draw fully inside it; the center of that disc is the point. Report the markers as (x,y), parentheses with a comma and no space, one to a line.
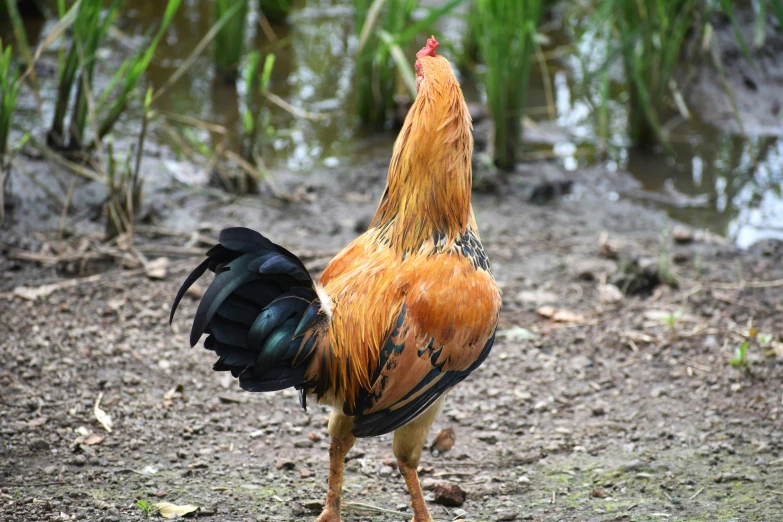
(727,184)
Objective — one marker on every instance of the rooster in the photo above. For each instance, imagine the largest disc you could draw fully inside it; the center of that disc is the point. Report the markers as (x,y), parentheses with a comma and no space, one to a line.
(398,318)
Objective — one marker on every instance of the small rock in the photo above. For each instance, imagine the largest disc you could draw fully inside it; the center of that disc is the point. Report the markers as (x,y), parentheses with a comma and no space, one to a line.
(314,436)
(313,505)
(303,443)
(304,473)
(598,492)
(734,477)
(449,495)
(682,234)
(386,470)
(507,514)
(39,445)
(50,470)
(609,294)
(286,464)
(80,460)
(489,437)
(157,268)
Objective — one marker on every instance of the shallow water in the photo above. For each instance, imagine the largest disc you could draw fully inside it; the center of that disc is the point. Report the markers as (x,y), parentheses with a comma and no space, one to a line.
(727,184)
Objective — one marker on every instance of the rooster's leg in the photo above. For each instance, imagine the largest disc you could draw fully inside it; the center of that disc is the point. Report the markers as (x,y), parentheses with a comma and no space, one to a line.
(408,443)
(342,442)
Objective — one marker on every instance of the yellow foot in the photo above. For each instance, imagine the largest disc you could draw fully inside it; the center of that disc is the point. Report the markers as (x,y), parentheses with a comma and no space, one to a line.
(327,515)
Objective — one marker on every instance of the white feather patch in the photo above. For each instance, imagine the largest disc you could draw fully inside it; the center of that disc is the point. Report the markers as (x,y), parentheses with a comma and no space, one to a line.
(326,301)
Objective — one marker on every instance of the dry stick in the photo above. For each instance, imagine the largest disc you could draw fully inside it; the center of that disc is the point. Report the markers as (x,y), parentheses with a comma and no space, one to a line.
(195,122)
(66,207)
(300,113)
(748,284)
(695,494)
(267,28)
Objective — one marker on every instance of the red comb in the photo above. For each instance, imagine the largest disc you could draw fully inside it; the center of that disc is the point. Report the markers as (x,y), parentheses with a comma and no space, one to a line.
(429,49)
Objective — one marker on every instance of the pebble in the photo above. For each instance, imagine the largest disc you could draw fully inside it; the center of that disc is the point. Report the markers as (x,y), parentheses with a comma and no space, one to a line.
(39,445)
(507,514)
(286,464)
(80,460)
(450,495)
(313,505)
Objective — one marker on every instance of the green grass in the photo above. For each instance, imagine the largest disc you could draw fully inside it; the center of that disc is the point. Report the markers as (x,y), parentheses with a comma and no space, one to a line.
(255,116)
(91,24)
(652,36)
(124,182)
(9,94)
(276,11)
(230,40)
(506,33)
(385,29)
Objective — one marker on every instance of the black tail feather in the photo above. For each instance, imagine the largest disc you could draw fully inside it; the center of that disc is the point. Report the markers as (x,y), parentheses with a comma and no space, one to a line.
(252,310)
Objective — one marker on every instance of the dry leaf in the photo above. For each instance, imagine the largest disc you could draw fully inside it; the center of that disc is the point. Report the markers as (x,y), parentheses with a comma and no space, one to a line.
(101,415)
(169,510)
(94,439)
(37,422)
(157,268)
(560,315)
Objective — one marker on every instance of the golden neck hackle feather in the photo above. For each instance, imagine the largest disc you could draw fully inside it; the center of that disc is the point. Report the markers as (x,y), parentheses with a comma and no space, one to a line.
(430,174)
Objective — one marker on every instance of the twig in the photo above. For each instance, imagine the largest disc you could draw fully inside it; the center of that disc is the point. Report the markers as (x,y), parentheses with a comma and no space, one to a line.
(696,494)
(29,484)
(300,113)
(368,507)
(66,207)
(748,284)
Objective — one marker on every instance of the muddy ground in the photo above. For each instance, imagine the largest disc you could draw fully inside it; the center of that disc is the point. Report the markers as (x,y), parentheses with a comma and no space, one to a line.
(617,408)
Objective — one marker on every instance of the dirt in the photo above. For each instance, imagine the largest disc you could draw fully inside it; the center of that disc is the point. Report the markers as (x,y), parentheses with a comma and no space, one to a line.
(627,408)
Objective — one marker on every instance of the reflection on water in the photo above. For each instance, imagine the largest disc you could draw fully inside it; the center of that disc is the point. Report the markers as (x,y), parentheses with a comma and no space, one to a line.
(726,184)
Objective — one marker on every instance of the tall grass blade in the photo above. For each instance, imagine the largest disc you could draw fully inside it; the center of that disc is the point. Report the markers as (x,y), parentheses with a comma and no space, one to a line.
(20,34)
(276,11)
(230,40)
(506,32)
(9,93)
(136,68)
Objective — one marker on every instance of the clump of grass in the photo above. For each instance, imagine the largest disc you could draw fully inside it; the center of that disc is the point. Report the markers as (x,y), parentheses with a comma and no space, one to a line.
(652,35)
(506,32)
(146,508)
(740,359)
(276,11)
(384,28)
(91,25)
(124,183)
(376,79)
(256,116)
(230,40)
(9,93)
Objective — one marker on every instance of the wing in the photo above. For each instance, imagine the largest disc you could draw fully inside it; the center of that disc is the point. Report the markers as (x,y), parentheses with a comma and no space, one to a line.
(444,331)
